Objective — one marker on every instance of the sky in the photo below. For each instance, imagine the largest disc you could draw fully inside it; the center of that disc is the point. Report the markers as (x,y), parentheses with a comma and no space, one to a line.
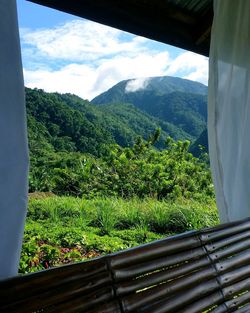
(63,53)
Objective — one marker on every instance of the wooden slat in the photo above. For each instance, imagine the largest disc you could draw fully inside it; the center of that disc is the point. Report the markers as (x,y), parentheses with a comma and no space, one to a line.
(158,276)
(180,301)
(245,309)
(204,303)
(165,290)
(158,263)
(147,252)
(214,246)
(188,273)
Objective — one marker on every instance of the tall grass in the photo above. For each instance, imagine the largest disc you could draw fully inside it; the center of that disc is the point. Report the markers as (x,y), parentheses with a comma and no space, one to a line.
(109,214)
(107,217)
(73,229)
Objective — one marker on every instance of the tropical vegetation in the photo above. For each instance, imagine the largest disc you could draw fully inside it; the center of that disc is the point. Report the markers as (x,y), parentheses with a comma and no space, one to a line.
(109,177)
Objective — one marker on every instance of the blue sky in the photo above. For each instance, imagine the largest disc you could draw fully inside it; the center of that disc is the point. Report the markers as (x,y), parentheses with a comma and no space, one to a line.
(64,53)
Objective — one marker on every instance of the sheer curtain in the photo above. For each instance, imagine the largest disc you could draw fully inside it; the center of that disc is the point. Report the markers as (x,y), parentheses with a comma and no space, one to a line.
(13,142)
(229,107)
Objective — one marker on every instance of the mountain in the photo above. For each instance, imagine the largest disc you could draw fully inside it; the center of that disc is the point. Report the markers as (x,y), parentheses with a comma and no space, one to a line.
(180,102)
(202,141)
(65,122)
(135,88)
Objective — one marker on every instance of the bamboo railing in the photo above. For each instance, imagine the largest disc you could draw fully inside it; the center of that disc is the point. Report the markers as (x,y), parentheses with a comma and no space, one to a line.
(200,271)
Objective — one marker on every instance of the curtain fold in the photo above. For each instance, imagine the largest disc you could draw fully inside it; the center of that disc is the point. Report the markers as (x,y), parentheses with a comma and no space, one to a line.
(229,108)
(13,142)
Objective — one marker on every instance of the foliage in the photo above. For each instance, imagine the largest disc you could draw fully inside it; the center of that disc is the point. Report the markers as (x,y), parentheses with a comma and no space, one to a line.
(83,150)
(200,145)
(179,102)
(67,235)
(66,123)
(139,171)
(105,187)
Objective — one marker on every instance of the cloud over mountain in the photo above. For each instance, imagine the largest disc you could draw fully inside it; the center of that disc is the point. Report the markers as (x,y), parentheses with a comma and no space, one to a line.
(87,58)
(136,84)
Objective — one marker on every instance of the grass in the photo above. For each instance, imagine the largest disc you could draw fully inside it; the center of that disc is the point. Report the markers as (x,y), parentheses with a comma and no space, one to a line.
(61,230)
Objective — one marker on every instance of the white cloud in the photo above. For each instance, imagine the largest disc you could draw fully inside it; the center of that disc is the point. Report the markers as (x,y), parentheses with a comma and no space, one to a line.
(87,58)
(73,78)
(136,84)
(80,40)
(88,81)
(190,66)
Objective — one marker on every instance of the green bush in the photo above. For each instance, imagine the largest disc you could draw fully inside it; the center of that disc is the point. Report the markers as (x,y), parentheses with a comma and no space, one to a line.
(138,171)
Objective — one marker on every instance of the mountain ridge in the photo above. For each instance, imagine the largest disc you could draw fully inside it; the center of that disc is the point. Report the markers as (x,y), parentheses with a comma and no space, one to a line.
(178,101)
(65,122)
(160,84)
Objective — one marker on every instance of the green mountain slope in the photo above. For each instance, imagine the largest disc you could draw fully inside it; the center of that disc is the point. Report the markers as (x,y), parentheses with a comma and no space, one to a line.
(151,85)
(51,120)
(202,141)
(177,101)
(67,123)
(122,117)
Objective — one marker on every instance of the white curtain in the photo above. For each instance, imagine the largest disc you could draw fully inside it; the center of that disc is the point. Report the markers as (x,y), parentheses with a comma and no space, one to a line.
(13,142)
(229,107)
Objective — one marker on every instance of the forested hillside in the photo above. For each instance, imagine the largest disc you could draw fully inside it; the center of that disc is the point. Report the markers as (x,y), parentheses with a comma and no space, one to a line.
(180,102)
(109,177)
(81,149)
(200,144)
(68,123)
(129,89)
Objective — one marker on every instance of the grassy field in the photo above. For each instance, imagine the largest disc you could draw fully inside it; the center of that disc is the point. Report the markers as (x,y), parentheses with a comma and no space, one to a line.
(61,230)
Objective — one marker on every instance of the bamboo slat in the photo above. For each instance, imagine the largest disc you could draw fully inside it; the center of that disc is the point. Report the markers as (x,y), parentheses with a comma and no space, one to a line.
(200,271)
